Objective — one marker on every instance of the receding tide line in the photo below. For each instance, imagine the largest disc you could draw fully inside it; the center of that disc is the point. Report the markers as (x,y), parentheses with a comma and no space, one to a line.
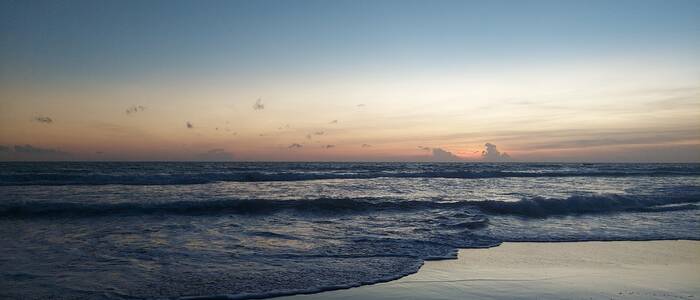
(413,270)
(481,279)
(316,290)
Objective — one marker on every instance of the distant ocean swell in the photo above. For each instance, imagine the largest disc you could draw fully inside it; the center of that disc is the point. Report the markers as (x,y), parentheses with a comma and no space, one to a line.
(204,178)
(527,207)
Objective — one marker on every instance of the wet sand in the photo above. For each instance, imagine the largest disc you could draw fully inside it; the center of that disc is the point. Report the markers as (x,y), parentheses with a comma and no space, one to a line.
(582,270)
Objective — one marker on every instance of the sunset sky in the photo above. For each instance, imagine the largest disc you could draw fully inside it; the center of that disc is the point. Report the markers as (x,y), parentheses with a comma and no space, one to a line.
(350,80)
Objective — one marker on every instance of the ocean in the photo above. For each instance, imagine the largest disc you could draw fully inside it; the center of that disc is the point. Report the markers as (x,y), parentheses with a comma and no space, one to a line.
(118,230)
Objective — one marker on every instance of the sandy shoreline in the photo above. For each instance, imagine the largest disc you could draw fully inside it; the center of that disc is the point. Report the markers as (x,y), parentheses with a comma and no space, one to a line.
(581,270)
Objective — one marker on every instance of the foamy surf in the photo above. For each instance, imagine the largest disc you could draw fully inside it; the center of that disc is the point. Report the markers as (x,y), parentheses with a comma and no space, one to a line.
(141,231)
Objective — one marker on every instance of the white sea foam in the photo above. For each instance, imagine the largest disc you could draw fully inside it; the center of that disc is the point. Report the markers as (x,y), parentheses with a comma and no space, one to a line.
(106,231)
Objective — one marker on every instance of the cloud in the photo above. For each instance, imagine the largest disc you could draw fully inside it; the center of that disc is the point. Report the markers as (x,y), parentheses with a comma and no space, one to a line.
(361,105)
(334,122)
(43,119)
(134,109)
(295,146)
(424,148)
(258,105)
(310,135)
(328,146)
(29,152)
(189,125)
(29,149)
(366,145)
(492,154)
(215,155)
(443,155)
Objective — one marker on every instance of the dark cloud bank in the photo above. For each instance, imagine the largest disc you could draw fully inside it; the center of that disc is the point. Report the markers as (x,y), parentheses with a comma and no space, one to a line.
(490,154)
(29,152)
(215,155)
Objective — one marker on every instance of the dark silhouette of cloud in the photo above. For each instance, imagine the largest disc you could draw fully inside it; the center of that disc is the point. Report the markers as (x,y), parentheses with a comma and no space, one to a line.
(366,145)
(492,154)
(328,146)
(215,155)
(334,122)
(31,150)
(361,105)
(134,109)
(295,146)
(258,105)
(189,125)
(424,148)
(443,155)
(310,135)
(43,119)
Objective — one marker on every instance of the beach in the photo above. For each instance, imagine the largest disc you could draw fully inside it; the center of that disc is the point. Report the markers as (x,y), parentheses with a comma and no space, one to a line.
(580,270)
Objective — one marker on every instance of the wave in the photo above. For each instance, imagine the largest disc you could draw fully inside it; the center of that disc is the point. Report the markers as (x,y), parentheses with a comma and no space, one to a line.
(56,179)
(536,207)
(539,207)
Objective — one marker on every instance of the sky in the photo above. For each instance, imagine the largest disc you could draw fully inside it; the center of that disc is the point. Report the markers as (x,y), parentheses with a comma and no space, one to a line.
(559,81)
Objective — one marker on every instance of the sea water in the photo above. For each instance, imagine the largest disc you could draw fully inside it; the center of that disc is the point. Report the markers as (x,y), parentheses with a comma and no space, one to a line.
(254,230)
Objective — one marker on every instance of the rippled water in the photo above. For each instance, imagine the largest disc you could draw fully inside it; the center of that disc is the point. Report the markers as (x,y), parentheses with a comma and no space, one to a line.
(168,230)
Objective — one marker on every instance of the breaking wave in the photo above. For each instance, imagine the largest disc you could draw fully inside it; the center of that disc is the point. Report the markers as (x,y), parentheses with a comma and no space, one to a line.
(535,207)
(254,240)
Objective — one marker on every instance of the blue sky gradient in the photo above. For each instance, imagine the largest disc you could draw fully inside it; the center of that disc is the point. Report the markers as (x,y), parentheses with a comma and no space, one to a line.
(543,80)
